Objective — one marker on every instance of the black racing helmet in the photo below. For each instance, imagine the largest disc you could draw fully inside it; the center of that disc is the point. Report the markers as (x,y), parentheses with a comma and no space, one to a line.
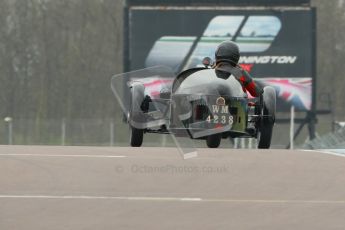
(228,51)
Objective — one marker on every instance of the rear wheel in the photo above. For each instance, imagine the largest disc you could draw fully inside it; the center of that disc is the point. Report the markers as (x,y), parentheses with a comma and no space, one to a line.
(136,100)
(265,136)
(136,137)
(265,128)
(213,141)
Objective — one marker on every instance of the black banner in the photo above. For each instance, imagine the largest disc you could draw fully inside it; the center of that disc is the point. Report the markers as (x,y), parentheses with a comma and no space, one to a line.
(218,2)
(276,45)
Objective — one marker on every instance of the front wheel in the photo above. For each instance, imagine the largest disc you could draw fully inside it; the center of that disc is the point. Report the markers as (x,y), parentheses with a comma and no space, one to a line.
(136,137)
(213,141)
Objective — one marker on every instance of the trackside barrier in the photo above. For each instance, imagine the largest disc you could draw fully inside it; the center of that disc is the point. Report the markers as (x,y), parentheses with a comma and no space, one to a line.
(114,132)
(328,141)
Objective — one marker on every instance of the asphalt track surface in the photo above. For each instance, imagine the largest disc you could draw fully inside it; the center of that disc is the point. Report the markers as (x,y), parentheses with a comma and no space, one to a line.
(154,188)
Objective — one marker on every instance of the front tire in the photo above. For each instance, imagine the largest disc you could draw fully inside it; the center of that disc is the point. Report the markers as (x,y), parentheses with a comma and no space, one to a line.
(213,141)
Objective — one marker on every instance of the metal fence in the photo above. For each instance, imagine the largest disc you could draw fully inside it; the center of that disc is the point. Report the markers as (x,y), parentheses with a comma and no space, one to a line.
(76,132)
(113,132)
(332,140)
(62,132)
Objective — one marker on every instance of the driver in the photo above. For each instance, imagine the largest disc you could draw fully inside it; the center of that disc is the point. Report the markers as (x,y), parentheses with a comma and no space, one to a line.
(227,56)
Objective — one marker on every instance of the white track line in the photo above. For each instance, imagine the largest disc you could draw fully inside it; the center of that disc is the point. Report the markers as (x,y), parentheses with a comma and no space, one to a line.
(60,155)
(188,156)
(99,198)
(176,199)
(326,151)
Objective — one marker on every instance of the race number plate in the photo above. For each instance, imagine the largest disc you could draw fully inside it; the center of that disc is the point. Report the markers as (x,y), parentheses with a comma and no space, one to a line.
(220,115)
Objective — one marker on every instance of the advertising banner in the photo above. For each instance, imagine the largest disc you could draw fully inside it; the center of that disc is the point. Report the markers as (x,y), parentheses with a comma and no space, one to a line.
(275,44)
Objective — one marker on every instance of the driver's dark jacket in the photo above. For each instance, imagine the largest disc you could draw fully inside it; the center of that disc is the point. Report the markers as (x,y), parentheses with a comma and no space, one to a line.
(243,77)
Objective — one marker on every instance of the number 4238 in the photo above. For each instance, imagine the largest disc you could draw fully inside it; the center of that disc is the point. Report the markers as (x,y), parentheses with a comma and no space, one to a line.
(220,119)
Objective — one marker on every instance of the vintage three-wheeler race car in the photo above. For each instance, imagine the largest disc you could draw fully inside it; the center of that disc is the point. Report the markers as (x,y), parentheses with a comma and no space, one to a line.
(199,103)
